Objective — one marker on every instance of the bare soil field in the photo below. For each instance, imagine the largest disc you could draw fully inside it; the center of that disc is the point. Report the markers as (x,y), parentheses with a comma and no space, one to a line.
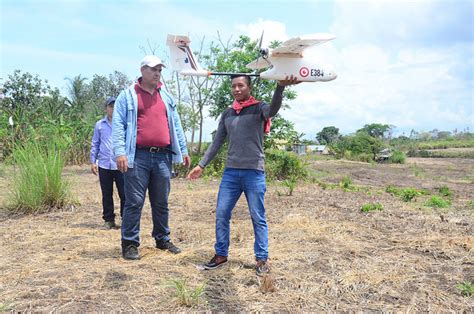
(325,253)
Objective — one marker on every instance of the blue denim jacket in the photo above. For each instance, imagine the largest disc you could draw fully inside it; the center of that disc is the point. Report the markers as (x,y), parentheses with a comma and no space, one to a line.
(124,126)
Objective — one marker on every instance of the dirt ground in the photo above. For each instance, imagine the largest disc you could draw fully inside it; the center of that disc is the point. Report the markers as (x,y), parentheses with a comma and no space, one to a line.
(325,253)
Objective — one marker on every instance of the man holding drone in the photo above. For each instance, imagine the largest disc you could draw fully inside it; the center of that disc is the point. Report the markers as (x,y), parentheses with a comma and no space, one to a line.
(243,125)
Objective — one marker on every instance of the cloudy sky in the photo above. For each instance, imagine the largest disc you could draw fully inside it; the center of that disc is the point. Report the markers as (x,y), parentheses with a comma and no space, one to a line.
(405,63)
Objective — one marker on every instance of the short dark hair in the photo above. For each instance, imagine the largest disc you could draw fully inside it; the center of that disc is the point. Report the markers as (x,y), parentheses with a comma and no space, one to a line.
(247,78)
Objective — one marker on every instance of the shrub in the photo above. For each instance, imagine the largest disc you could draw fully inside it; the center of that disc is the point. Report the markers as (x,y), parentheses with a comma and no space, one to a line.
(363,157)
(392,190)
(214,169)
(437,202)
(346,183)
(409,194)
(37,182)
(281,165)
(371,207)
(398,157)
(290,183)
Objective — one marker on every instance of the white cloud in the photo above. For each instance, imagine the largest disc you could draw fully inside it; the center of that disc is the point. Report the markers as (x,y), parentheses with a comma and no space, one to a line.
(273,30)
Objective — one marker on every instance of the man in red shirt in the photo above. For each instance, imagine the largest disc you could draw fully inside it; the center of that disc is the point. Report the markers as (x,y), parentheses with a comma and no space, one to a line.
(147,137)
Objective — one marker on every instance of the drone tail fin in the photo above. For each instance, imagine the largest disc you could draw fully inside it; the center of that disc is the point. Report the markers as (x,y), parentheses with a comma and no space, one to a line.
(182,58)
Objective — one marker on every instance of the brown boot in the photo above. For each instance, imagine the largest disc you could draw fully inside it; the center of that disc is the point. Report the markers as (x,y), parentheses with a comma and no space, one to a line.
(216,262)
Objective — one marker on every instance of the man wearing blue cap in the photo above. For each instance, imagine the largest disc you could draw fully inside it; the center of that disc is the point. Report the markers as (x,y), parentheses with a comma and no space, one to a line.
(103,163)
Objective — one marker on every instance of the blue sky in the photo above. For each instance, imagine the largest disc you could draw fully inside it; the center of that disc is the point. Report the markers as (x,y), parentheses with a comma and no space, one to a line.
(406,63)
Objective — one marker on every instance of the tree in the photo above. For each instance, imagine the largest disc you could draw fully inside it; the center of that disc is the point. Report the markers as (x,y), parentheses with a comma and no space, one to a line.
(32,105)
(328,135)
(358,144)
(414,134)
(79,94)
(442,135)
(22,95)
(102,86)
(376,130)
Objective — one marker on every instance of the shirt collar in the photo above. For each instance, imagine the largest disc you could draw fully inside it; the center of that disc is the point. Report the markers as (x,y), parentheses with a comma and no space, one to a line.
(139,84)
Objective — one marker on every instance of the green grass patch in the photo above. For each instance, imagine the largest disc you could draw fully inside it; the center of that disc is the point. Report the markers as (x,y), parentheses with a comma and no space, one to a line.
(446,144)
(346,184)
(437,202)
(184,294)
(441,154)
(405,194)
(465,288)
(325,185)
(370,207)
(445,191)
(5,307)
(417,171)
(470,204)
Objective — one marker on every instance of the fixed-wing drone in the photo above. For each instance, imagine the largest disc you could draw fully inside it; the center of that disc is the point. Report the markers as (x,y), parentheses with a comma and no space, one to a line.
(283,61)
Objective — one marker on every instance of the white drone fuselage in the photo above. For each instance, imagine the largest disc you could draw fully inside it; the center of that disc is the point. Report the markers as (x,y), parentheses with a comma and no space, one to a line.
(301,68)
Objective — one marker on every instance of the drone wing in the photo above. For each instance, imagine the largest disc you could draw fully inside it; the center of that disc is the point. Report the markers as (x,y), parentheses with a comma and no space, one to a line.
(293,48)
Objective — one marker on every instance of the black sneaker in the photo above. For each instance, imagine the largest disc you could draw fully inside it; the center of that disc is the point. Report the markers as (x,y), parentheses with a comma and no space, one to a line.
(168,245)
(130,252)
(262,268)
(215,262)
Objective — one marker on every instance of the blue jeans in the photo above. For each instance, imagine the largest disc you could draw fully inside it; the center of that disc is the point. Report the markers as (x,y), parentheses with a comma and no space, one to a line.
(252,183)
(151,171)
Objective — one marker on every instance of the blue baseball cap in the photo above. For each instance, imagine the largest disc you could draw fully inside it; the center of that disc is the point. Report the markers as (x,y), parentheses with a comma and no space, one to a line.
(110,101)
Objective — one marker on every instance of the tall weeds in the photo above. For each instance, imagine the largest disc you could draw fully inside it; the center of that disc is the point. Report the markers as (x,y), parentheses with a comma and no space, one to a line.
(37,183)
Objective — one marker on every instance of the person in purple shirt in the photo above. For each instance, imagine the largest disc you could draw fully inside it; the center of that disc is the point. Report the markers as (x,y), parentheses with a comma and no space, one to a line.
(103,163)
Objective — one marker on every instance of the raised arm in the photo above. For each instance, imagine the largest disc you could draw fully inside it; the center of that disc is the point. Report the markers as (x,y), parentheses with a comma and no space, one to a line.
(277,98)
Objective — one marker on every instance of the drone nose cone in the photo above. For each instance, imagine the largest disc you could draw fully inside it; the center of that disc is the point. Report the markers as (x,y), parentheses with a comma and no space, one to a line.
(332,75)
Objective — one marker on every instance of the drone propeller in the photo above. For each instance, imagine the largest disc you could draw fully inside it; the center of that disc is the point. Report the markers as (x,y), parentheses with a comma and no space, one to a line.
(260,43)
(263,53)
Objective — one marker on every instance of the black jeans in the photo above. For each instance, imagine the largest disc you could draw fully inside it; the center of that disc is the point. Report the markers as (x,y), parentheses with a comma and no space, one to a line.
(107,178)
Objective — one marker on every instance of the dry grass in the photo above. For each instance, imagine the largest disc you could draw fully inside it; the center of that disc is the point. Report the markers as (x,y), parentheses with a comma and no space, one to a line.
(325,253)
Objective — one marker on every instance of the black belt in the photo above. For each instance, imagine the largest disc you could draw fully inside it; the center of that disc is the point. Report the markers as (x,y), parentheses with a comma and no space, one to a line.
(156,149)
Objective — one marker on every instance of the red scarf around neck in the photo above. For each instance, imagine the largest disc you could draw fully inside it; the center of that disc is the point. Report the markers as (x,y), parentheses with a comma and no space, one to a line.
(239,105)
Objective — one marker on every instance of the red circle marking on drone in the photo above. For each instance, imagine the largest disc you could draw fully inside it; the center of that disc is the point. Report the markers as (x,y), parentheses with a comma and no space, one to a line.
(304,71)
